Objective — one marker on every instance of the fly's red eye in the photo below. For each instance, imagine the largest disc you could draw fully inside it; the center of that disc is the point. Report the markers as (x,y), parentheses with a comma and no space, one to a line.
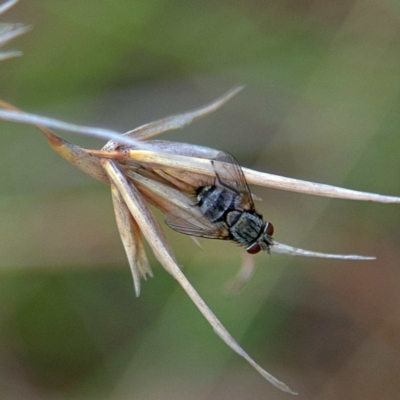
(254,248)
(269,229)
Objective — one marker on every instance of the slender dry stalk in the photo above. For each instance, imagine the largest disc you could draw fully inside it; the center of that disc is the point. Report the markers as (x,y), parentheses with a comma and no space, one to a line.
(162,174)
(9,32)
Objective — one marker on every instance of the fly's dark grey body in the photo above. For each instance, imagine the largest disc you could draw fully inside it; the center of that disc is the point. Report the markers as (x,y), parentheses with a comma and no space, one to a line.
(222,204)
(227,210)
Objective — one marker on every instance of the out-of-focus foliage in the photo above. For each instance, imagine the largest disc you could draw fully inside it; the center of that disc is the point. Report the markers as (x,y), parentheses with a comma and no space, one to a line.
(321,104)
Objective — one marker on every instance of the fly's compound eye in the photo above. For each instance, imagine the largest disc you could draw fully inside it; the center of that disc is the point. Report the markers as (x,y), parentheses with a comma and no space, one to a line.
(269,229)
(254,248)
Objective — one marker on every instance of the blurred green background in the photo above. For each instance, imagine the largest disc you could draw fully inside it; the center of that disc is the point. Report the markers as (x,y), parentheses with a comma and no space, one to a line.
(321,104)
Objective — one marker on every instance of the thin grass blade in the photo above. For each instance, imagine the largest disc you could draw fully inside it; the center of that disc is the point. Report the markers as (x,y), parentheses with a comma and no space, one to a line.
(9,32)
(204,167)
(7,5)
(99,133)
(123,218)
(174,122)
(293,251)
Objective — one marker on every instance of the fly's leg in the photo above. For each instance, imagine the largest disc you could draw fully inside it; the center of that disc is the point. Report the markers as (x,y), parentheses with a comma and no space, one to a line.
(242,278)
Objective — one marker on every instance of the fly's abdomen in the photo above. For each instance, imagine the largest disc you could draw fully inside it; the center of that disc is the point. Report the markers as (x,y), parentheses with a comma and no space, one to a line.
(214,203)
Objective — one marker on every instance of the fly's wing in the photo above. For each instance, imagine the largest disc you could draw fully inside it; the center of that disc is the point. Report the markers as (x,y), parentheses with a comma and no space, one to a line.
(232,178)
(195,224)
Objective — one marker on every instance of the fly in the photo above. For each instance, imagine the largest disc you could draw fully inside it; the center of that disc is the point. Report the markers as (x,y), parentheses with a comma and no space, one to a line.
(227,210)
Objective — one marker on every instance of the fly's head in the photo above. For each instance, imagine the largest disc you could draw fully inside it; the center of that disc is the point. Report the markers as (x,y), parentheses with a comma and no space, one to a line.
(264,241)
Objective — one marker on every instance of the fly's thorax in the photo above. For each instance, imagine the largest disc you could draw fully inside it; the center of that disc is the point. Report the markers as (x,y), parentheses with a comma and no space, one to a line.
(246,228)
